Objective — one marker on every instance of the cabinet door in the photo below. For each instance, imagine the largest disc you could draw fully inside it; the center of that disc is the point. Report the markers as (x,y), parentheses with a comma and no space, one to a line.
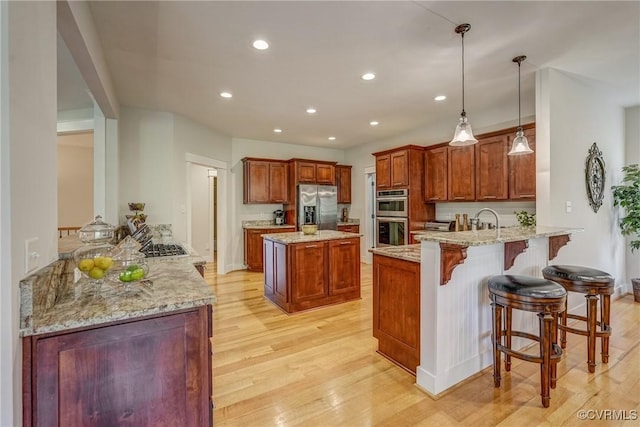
(269,267)
(522,171)
(253,249)
(308,272)
(325,174)
(435,185)
(344,266)
(383,171)
(256,182)
(400,169)
(461,174)
(343,180)
(130,373)
(278,182)
(491,168)
(306,172)
(280,290)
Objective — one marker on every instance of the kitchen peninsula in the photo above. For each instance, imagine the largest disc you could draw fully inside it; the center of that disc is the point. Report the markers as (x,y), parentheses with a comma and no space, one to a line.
(455,312)
(111,354)
(306,271)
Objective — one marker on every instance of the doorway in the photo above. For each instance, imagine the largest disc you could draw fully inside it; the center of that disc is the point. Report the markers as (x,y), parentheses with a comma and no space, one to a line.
(75,179)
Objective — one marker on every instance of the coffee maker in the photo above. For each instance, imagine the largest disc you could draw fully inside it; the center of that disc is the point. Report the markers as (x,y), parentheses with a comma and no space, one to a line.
(279,217)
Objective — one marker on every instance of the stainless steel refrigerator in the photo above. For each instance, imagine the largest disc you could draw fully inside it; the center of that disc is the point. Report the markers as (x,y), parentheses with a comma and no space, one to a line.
(318,204)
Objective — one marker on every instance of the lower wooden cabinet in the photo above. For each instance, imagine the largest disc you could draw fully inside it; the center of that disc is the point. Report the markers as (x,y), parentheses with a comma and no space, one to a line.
(301,276)
(396,310)
(351,228)
(253,256)
(148,372)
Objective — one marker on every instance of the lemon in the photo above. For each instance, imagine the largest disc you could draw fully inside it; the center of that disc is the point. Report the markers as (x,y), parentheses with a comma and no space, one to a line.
(85,264)
(96,273)
(103,262)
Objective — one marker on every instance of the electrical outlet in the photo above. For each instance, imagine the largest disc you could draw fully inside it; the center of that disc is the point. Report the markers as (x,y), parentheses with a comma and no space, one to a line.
(31,254)
(568,207)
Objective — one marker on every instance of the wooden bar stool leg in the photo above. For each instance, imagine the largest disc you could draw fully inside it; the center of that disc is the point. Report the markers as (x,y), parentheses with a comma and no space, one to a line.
(605,318)
(563,318)
(496,339)
(592,312)
(545,351)
(507,358)
(554,340)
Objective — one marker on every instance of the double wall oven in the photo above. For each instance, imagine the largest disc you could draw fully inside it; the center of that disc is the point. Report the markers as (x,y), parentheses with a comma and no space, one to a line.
(392,217)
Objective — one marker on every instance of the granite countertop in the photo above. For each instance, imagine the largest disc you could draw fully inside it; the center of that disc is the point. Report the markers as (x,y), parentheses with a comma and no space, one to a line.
(51,301)
(299,237)
(266,226)
(406,253)
(490,237)
(351,221)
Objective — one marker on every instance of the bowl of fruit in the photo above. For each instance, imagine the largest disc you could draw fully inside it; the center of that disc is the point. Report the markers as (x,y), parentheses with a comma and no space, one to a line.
(95,258)
(130,264)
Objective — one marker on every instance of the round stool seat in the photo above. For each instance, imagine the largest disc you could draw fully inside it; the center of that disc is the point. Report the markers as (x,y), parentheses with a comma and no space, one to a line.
(525,286)
(579,276)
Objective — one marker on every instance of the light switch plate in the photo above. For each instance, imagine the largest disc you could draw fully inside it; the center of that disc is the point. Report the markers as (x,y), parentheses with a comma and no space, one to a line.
(31,254)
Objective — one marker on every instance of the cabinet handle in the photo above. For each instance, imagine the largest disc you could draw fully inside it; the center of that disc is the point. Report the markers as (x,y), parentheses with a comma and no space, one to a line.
(458,198)
(311,246)
(490,197)
(527,195)
(346,243)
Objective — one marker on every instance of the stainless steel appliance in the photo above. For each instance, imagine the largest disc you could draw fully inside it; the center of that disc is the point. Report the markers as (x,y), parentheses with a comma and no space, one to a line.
(278,217)
(392,231)
(392,203)
(318,204)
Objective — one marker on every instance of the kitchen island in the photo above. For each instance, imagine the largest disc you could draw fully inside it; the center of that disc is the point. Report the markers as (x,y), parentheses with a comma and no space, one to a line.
(308,271)
(455,312)
(110,354)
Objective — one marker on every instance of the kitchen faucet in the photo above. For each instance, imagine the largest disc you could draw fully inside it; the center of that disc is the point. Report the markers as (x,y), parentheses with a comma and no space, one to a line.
(476,219)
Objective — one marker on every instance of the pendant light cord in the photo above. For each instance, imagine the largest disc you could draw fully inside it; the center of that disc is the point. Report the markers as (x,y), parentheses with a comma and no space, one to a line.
(463,112)
(519,102)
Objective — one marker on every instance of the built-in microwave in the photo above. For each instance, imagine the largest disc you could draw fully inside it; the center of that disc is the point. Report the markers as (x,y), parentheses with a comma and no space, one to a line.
(392,203)
(392,231)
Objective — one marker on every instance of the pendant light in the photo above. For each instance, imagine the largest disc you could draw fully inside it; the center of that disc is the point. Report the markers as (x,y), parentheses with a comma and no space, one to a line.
(520,144)
(463,134)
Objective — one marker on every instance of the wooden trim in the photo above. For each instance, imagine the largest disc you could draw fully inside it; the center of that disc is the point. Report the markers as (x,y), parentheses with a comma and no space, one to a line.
(512,250)
(450,256)
(326,162)
(555,243)
(513,130)
(404,147)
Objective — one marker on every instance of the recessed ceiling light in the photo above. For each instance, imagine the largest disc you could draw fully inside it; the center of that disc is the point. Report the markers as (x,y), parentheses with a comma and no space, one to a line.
(276,130)
(440,98)
(226,94)
(374,123)
(332,138)
(311,110)
(368,76)
(261,44)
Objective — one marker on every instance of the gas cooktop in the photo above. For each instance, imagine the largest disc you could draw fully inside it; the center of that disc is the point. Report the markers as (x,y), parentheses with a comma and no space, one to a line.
(153,250)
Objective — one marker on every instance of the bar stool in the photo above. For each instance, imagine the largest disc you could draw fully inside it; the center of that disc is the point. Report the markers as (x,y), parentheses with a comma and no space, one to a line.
(541,296)
(593,283)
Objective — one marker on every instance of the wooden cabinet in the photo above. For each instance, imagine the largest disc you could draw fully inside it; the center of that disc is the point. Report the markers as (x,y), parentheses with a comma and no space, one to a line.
(461,173)
(491,168)
(522,170)
(351,228)
(265,181)
(393,168)
(253,253)
(325,174)
(435,174)
(314,172)
(306,172)
(343,182)
(144,372)
(300,276)
(396,310)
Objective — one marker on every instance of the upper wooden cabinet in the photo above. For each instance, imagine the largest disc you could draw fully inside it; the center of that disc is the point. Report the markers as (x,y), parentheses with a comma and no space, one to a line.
(461,173)
(265,181)
(491,168)
(522,170)
(395,168)
(314,172)
(343,181)
(435,174)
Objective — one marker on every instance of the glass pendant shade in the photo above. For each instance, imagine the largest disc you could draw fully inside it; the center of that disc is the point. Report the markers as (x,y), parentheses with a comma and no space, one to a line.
(520,144)
(463,134)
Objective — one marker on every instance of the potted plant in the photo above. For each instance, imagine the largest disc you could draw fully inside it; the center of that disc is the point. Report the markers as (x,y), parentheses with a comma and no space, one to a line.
(627,196)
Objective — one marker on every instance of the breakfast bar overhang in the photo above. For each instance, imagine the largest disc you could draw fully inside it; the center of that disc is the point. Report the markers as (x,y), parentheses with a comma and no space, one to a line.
(455,312)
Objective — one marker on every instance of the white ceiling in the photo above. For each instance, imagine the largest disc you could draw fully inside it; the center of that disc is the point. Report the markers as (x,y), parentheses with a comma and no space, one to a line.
(178,56)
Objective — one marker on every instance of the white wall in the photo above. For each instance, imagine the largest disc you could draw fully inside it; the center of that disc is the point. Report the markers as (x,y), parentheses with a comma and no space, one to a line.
(75,179)
(268,150)
(632,156)
(575,113)
(28,168)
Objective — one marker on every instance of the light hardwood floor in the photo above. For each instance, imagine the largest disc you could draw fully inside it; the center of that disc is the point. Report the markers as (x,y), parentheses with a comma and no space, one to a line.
(320,368)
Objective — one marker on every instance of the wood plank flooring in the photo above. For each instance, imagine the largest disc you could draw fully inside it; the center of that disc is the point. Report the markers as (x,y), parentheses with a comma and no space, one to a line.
(320,368)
